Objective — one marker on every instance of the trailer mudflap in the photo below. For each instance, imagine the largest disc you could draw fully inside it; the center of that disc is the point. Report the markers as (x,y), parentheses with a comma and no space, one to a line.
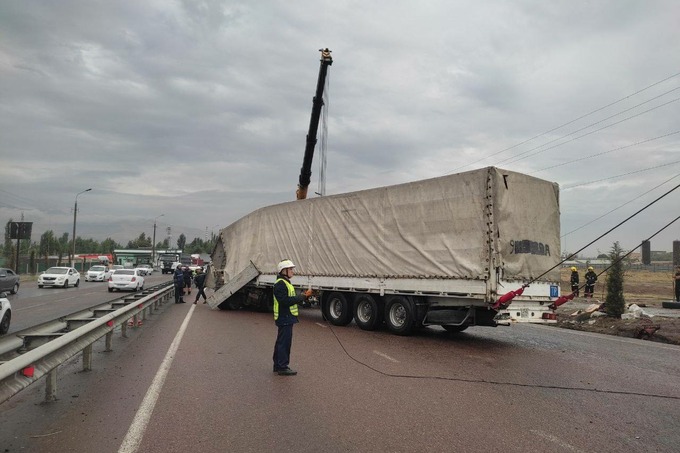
(233,285)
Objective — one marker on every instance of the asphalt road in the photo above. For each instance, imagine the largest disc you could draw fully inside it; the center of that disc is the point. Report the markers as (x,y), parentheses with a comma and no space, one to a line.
(509,389)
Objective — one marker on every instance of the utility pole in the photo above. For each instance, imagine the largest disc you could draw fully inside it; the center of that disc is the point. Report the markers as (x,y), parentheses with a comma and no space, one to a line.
(73,239)
(153,242)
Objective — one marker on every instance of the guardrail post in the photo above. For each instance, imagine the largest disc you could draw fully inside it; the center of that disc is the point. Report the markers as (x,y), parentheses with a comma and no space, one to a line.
(109,342)
(87,358)
(51,386)
(123,329)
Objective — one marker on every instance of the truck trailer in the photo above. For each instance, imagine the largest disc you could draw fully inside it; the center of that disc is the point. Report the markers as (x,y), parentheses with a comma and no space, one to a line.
(440,251)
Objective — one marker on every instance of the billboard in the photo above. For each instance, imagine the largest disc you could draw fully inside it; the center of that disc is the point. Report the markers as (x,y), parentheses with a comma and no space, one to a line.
(20,230)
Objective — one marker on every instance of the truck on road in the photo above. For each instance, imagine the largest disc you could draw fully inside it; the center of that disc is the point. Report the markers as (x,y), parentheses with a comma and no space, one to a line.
(168,261)
(440,251)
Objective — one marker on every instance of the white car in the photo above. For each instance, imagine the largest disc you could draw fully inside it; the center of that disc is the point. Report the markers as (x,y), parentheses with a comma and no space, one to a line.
(110,272)
(5,313)
(59,276)
(126,279)
(145,269)
(96,274)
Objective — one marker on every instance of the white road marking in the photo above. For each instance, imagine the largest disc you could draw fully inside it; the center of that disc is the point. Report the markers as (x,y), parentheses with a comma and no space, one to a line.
(138,426)
(385,356)
(321,325)
(556,440)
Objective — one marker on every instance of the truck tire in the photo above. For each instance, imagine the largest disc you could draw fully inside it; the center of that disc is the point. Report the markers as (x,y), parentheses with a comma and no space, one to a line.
(336,309)
(400,315)
(368,313)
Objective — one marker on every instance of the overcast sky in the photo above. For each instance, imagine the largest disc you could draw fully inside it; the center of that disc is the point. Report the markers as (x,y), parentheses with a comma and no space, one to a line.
(198,110)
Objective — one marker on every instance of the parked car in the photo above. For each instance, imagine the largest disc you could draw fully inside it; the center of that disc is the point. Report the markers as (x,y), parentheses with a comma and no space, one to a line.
(5,313)
(96,274)
(145,269)
(126,279)
(59,276)
(9,281)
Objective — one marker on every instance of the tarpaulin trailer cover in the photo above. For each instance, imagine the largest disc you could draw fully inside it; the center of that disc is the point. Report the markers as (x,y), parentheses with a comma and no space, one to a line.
(460,226)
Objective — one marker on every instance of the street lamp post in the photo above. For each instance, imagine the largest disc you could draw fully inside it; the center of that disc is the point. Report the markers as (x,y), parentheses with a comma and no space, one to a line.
(153,243)
(73,239)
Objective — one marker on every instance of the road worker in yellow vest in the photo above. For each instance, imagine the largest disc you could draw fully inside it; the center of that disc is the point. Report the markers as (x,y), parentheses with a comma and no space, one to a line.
(285,316)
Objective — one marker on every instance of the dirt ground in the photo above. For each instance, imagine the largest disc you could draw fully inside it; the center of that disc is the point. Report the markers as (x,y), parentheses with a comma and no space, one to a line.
(644,288)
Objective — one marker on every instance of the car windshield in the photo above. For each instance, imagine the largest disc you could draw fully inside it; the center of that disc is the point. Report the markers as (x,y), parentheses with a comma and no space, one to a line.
(144,266)
(97,268)
(124,272)
(117,266)
(57,270)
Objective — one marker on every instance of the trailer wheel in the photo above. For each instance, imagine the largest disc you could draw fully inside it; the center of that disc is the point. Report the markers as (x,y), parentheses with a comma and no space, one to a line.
(400,315)
(337,310)
(367,312)
(455,329)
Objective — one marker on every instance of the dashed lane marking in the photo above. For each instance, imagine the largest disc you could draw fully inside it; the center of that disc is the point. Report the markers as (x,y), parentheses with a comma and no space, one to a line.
(556,440)
(385,356)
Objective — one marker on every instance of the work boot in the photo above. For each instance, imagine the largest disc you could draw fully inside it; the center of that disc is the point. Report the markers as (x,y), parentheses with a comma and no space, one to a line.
(287,372)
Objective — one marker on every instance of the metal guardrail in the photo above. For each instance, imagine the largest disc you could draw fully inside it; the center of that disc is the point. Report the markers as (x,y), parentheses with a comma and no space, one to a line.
(43,348)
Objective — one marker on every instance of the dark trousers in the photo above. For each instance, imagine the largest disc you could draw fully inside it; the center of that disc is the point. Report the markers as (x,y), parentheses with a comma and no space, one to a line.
(677,290)
(574,288)
(284,339)
(178,293)
(590,289)
(201,292)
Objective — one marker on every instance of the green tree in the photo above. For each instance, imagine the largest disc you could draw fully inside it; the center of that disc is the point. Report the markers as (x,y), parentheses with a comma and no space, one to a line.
(63,247)
(614,304)
(181,241)
(47,245)
(141,242)
(108,245)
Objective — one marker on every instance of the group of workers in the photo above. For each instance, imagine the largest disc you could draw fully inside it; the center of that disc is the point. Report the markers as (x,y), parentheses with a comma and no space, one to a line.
(591,278)
(183,279)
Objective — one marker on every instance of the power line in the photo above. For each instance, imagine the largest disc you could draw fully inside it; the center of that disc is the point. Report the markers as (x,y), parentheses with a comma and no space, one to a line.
(619,207)
(517,159)
(621,175)
(606,152)
(569,122)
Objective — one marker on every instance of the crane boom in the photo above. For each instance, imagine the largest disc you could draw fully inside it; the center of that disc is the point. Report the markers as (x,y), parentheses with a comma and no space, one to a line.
(317,104)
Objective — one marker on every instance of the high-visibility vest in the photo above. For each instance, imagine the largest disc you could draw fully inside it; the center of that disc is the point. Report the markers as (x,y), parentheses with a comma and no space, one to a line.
(291,293)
